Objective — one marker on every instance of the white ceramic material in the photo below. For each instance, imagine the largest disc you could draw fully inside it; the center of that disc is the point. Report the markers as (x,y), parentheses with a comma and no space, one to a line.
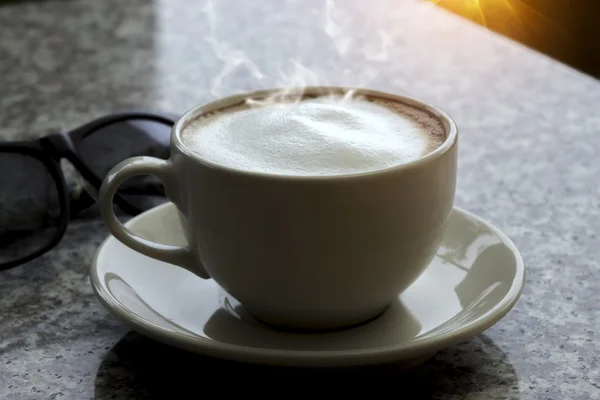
(305,252)
(474,280)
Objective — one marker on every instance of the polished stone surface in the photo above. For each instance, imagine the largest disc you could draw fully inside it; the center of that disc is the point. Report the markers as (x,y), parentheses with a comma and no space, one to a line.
(529,162)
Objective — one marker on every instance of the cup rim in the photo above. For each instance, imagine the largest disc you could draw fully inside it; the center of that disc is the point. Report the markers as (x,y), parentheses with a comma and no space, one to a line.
(448,123)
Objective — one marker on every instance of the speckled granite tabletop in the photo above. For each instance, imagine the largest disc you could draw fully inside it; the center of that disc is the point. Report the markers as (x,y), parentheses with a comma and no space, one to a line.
(529,163)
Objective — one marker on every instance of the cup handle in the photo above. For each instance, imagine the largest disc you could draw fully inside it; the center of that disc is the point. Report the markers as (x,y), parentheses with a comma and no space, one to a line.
(180,256)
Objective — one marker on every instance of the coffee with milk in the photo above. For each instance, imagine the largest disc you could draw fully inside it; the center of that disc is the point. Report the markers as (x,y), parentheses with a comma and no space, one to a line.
(314,136)
(314,212)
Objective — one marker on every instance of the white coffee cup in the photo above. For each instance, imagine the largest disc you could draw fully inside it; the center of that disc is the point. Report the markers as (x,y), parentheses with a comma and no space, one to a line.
(300,252)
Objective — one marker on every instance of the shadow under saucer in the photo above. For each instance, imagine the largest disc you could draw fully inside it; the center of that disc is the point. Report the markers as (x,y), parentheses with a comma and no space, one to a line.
(140,368)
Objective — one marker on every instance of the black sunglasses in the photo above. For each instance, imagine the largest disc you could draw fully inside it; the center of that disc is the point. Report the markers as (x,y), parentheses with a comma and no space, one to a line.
(35,201)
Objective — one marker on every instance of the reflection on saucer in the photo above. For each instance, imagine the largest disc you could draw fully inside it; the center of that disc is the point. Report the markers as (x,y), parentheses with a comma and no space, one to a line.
(233,324)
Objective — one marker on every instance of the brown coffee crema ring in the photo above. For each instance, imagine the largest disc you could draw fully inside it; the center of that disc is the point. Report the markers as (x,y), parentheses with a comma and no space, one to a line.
(429,121)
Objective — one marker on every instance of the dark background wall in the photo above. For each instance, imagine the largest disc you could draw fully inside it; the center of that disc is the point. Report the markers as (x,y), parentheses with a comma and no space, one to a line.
(567,30)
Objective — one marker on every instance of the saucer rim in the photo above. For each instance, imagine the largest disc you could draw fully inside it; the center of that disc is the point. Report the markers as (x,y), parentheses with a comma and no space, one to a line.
(408,350)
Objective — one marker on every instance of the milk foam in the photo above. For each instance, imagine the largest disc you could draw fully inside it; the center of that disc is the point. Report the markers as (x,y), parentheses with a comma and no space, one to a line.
(317,136)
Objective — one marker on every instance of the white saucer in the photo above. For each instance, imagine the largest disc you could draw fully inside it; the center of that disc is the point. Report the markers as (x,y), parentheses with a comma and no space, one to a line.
(476,278)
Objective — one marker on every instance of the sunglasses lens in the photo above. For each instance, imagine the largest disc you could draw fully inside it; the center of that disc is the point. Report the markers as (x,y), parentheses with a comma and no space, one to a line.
(30,211)
(106,147)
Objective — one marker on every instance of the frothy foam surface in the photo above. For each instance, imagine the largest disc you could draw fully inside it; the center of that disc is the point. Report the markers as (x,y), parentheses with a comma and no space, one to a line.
(317,136)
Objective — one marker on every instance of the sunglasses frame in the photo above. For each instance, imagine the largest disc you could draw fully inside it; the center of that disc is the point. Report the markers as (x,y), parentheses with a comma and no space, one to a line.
(51,149)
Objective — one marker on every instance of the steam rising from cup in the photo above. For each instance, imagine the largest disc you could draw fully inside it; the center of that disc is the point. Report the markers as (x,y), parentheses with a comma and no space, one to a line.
(296,75)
